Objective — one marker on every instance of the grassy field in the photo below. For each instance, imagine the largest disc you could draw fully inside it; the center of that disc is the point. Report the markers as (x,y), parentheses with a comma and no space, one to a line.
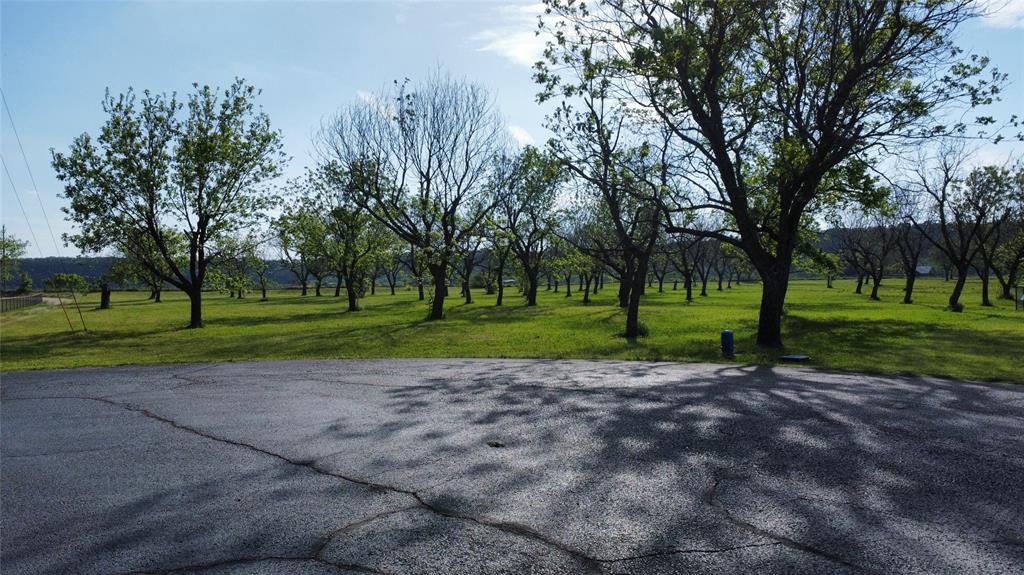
(839,329)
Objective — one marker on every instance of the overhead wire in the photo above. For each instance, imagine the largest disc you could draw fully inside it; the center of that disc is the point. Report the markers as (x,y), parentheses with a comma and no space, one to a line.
(32,232)
(39,197)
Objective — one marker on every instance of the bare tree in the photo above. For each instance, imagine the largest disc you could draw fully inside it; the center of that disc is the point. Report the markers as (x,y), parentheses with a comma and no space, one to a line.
(421,156)
(868,240)
(960,213)
(911,244)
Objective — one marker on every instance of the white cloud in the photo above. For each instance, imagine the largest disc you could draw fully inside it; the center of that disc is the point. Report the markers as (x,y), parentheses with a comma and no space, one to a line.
(1003,13)
(514,35)
(383,108)
(521,136)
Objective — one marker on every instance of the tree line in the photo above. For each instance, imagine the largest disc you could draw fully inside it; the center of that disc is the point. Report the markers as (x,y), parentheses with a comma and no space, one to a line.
(696,137)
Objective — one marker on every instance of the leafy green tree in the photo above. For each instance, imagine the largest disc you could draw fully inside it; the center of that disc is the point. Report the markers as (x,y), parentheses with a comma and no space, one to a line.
(359,240)
(526,211)
(776,107)
(391,259)
(629,177)
(65,282)
(24,283)
(820,262)
(1009,258)
(130,270)
(289,235)
(159,169)
(11,250)
(240,258)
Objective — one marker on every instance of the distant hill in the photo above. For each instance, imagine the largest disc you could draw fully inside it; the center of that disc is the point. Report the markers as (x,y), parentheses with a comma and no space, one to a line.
(39,269)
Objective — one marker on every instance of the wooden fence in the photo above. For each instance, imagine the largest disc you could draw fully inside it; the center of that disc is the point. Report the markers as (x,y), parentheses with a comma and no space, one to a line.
(9,303)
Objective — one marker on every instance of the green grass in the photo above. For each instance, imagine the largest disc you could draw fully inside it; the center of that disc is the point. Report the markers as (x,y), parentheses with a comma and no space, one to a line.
(839,329)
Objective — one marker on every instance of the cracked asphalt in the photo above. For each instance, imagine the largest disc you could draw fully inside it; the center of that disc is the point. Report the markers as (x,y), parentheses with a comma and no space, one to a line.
(502,466)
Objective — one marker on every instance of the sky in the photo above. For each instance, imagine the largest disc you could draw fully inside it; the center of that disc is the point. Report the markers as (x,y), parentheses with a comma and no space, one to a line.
(308,58)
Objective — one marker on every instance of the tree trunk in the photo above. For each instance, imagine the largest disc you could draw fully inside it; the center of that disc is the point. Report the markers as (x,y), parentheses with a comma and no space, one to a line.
(586,289)
(661,284)
(501,288)
(704,286)
(774,283)
(152,293)
(467,292)
(337,285)
(568,285)
(240,293)
(419,287)
(675,284)
(373,286)
(319,283)
(350,290)
(720,282)
(196,297)
(624,290)
(392,285)
(958,288)
(440,279)
(633,305)
(305,286)
(875,282)
(860,283)
(985,301)
(156,299)
(532,280)
(104,297)
(688,284)
(264,288)
(908,289)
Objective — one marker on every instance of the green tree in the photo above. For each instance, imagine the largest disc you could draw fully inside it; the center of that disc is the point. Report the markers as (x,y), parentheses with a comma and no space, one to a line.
(526,212)
(24,283)
(776,107)
(61,282)
(360,241)
(11,250)
(154,173)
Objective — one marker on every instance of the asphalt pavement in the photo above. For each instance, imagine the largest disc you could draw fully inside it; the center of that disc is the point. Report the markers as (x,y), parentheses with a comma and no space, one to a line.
(504,466)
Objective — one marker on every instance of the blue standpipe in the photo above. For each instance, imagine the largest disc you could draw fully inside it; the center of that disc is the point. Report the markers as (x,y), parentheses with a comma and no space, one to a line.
(728,346)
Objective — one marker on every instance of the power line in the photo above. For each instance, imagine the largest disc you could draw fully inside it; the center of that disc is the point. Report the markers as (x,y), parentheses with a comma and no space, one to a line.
(22,206)
(31,177)
(42,208)
(38,247)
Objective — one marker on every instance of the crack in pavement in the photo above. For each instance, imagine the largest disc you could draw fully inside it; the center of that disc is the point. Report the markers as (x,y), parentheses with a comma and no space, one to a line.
(780,539)
(592,564)
(676,551)
(503,526)
(258,559)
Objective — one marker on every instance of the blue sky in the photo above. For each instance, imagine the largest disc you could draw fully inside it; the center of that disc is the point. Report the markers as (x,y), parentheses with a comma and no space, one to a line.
(308,58)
